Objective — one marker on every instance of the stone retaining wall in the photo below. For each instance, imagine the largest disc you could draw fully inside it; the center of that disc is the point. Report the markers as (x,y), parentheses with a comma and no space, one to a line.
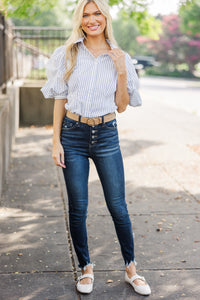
(9,123)
(34,108)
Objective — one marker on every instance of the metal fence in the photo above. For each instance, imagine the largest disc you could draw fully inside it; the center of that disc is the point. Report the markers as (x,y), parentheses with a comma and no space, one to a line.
(24,50)
(32,48)
(6,53)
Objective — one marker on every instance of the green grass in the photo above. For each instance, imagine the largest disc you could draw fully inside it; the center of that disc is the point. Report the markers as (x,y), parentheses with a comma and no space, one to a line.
(175,73)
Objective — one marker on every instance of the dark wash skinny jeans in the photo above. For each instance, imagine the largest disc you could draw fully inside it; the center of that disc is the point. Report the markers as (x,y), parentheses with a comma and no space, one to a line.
(101,144)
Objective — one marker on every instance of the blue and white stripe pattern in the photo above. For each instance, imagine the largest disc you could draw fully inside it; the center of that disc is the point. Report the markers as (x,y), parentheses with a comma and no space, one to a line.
(91,88)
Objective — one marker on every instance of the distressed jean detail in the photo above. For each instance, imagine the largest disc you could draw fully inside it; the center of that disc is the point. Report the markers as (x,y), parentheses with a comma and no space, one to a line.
(100,143)
(92,264)
(129,263)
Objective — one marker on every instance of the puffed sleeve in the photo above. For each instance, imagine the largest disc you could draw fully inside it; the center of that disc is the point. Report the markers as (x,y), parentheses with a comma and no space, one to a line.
(132,83)
(55,86)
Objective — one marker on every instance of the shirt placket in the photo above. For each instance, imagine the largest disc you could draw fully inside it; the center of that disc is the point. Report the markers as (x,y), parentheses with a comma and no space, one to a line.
(91,88)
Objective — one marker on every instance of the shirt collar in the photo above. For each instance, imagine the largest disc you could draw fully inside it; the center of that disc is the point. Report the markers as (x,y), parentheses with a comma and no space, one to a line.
(80,40)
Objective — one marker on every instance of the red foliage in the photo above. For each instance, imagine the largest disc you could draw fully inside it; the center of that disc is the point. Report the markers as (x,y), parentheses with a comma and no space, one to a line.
(174,47)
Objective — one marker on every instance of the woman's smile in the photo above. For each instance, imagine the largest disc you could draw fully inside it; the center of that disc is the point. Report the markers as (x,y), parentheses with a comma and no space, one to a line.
(93,27)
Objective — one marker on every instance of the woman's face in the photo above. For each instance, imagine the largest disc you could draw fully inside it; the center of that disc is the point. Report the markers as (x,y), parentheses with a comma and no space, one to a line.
(93,21)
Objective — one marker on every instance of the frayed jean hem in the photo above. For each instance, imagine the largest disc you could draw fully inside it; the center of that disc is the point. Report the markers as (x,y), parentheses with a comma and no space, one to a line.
(128,263)
(84,268)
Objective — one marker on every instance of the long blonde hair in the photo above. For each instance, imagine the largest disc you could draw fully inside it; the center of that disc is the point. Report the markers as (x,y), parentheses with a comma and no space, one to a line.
(77,32)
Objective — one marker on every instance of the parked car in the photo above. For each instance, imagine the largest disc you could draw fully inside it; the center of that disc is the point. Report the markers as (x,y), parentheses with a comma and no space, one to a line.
(142,62)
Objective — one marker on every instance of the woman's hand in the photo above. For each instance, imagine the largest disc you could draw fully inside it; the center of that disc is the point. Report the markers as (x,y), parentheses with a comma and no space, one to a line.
(121,95)
(58,154)
(118,57)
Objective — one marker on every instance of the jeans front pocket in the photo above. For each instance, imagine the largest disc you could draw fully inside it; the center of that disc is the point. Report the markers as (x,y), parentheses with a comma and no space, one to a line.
(110,125)
(69,124)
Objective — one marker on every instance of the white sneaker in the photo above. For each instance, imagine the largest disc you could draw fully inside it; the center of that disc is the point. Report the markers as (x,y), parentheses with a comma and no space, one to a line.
(140,289)
(85,288)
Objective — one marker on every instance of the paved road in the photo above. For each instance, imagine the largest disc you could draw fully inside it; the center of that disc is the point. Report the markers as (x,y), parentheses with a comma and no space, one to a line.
(160,145)
(179,93)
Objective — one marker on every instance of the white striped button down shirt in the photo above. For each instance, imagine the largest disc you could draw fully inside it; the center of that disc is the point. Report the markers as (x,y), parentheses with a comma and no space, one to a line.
(91,88)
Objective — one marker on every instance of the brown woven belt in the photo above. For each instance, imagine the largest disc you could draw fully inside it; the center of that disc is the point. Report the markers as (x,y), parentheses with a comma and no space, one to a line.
(91,121)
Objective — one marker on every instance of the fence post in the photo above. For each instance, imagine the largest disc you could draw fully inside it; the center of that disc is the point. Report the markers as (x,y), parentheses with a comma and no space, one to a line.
(2,54)
(6,53)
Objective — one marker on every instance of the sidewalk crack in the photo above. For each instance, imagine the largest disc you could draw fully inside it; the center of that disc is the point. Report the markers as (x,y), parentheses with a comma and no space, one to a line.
(64,200)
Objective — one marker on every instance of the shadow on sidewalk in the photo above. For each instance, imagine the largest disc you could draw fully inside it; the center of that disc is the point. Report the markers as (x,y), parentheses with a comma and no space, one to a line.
(34,245)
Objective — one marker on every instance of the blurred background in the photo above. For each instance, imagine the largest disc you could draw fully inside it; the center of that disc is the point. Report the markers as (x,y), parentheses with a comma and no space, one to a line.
(163,38)
(160,145)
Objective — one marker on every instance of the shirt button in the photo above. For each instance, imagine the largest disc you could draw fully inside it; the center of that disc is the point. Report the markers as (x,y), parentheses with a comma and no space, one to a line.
(93,131)
(93,136)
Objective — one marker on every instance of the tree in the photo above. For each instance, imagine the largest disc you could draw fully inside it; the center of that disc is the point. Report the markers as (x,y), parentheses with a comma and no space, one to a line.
(19,8)
(46,18)
(125,32)
(135,9)
(174,48)
(190,16)
(25,9)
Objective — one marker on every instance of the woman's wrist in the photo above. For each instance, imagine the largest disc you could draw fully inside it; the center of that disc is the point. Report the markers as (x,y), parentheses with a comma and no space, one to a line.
(56,140)
(122,73)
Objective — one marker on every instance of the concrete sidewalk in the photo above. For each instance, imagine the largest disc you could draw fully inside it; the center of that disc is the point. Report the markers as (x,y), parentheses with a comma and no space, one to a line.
(162,169)
(35,257)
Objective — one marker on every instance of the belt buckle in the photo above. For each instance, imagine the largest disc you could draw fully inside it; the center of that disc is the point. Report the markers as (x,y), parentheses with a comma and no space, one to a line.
(90,122)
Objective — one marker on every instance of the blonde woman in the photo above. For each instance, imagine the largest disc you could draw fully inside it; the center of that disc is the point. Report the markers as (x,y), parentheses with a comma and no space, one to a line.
(90,78)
